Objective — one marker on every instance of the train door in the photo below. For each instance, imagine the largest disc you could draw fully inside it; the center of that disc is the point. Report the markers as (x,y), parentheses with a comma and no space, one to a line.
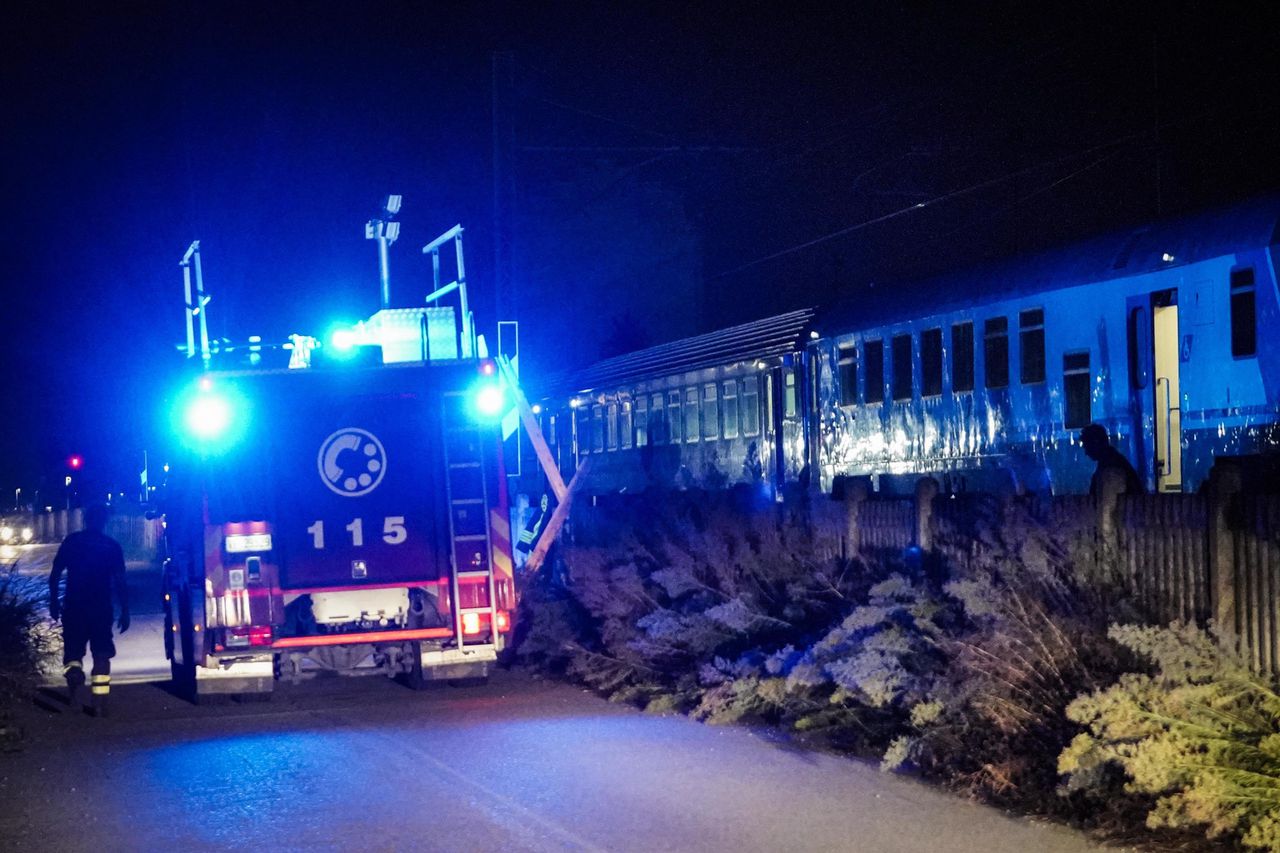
(1164,318)
(1155,388)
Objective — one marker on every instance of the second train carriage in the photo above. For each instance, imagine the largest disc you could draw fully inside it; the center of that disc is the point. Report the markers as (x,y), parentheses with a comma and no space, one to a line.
(1164,334)
(711,411)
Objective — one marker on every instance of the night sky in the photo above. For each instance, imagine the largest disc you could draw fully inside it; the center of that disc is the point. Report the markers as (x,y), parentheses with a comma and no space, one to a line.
(675,169)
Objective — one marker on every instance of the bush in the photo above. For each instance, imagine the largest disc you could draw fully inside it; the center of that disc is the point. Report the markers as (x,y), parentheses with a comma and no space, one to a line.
(668,589)
(1202,734)
(692,604)
(26,641)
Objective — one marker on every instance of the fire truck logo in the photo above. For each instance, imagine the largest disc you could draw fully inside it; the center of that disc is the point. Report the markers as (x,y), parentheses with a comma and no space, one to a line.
(352,462)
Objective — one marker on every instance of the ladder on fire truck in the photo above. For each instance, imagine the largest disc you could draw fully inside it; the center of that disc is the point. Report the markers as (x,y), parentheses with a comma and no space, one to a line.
(467,494)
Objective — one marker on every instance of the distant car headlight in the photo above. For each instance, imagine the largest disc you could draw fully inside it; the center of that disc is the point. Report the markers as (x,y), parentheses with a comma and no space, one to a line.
(28,534)
(6,534)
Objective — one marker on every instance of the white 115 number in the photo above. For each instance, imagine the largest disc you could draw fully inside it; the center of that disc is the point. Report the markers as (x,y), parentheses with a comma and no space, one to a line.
(393,532)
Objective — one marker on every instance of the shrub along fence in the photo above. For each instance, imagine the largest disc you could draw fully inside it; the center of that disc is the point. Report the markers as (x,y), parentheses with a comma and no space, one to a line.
(1188,557)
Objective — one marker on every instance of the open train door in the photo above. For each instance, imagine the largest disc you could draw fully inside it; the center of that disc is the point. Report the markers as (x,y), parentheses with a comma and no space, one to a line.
(1155,394)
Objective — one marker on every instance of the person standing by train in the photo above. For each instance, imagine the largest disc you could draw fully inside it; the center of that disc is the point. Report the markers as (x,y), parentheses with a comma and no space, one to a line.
(94,564)
(1097,446)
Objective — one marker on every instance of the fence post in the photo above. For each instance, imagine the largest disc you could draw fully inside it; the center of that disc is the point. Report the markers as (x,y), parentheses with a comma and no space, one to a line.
(1225,481)
(926,491)
(855,495)
(1111,485)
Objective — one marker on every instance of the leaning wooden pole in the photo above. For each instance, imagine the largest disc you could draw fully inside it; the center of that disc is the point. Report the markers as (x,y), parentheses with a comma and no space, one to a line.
(558,518)
(564,494)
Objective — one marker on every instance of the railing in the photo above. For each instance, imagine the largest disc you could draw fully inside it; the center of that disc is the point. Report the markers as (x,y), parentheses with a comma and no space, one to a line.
(1184,557)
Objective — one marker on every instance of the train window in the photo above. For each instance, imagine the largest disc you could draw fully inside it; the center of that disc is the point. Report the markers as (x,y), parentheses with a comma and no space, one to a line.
(611,427)
(1139,346)
(642,420)
(1031,338)
(790,405)
(961,357)
(1077,388)
(710,412)
(995,351)
(674,431)
(582,427)
(624,424)
(750,406)
(690,415)
(874,361)
(729,393)
(902,372)
(768,401)
(597,429)
(931,363)
(1244,316)
(657,424)
(847,374)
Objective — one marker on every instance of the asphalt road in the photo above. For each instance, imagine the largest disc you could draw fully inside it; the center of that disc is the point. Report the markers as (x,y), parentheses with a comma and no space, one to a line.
(518,764)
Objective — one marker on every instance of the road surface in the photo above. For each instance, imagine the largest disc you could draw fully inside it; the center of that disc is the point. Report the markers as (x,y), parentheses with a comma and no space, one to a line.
(518,764)
(140,650)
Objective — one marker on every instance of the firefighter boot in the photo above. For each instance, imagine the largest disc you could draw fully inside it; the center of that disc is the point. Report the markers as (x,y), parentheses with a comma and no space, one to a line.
(101,687)
(74,672)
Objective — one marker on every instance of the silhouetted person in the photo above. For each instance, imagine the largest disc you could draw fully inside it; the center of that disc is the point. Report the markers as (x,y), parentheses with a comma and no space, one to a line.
(94,563)
(1097,446)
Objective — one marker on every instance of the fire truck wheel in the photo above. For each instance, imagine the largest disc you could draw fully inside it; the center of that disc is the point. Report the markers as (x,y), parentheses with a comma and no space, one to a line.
(183,681)
(415,679)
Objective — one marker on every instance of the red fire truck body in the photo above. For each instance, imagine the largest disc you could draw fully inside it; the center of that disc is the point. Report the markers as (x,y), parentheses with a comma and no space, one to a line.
(347,519)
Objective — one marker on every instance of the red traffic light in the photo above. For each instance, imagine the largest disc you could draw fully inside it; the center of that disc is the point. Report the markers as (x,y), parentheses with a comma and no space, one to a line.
(75,462)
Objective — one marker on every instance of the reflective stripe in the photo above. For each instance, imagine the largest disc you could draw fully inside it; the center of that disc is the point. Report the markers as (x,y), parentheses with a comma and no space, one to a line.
(70,665)
(99,678)
(100,689)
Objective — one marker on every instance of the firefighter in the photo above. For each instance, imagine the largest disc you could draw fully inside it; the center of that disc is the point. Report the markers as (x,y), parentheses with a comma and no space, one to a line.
(94,564)
(1097,446)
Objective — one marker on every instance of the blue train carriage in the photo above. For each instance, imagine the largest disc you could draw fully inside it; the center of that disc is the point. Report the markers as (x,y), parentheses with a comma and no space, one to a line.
(711,411)
(985,378)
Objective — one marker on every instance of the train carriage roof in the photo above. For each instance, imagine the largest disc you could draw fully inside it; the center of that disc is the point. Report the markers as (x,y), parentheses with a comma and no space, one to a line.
(1248,226)
(770,337)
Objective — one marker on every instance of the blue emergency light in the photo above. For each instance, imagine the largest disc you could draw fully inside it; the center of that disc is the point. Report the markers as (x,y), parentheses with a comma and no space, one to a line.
(209,416)
(490,400)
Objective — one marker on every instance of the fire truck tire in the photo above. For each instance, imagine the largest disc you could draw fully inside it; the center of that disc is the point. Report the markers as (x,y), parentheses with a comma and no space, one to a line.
(415,678)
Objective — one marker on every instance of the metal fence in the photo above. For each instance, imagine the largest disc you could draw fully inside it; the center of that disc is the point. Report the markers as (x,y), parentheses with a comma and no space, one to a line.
(138,535)
(1192,558)
(1255,555)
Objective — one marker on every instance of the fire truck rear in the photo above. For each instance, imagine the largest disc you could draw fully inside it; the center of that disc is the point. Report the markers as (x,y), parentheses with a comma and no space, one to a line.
(346,519)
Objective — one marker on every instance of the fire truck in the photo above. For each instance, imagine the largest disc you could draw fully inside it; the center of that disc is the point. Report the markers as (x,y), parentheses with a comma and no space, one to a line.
(343,517)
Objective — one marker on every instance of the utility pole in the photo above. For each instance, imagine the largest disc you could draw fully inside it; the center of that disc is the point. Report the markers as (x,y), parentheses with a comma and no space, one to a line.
(503,183)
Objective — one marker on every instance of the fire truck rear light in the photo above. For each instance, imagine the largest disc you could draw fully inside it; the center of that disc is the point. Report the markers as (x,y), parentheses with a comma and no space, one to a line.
(471,623)
(504,620)
(258,635)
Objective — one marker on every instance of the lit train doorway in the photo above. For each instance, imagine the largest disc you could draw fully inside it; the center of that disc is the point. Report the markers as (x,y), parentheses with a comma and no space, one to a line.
(1155,392)
(1164,318)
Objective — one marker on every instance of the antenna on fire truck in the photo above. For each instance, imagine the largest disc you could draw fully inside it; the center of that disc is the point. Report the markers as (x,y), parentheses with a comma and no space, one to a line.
(195,303)
(385,231)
